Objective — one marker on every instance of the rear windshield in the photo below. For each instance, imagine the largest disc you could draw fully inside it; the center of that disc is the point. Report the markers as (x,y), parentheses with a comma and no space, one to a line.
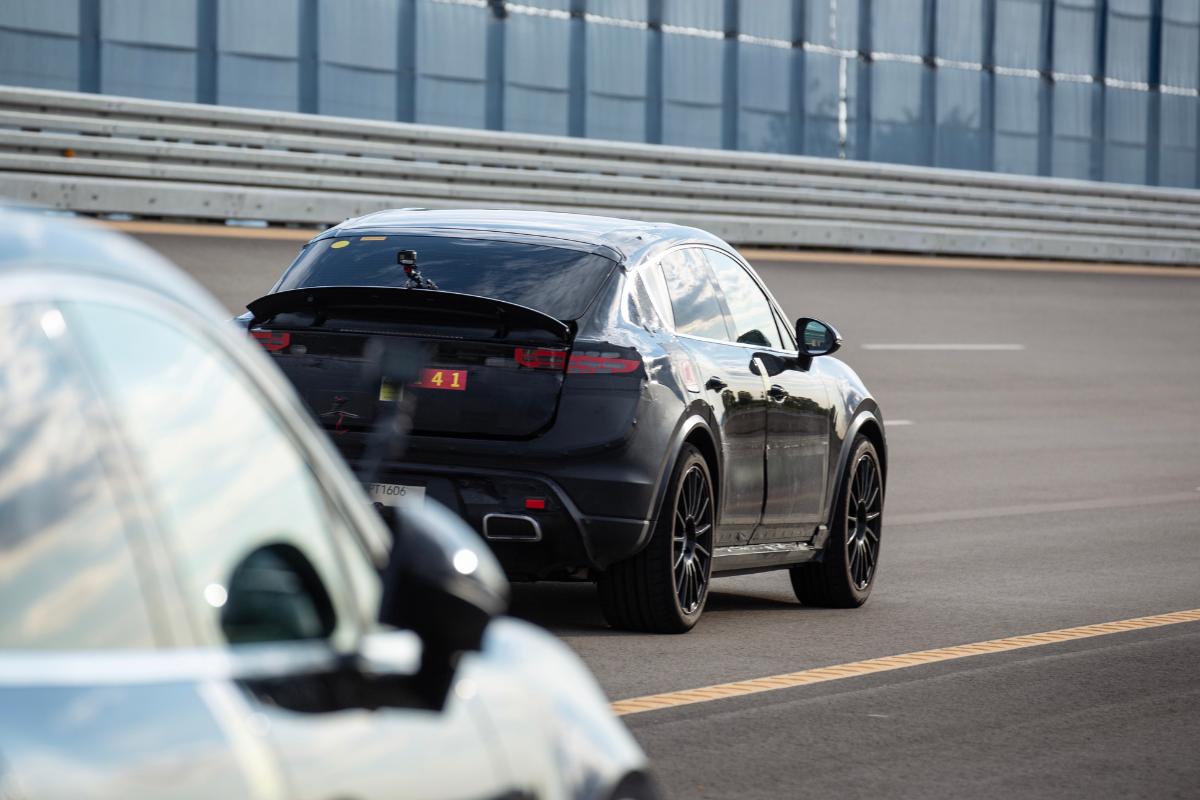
(553,280)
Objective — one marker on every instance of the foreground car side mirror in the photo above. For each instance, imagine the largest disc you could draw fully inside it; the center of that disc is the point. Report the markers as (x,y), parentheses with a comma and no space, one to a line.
(443,583)
(816,338)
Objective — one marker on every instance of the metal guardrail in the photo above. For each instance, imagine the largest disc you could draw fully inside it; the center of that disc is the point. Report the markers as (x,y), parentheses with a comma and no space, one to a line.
(101,154)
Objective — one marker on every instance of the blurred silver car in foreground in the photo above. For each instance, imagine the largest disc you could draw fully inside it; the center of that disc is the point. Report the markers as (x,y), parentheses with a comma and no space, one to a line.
(190,577)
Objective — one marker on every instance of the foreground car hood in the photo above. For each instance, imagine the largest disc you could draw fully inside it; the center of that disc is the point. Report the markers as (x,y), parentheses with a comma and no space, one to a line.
(550,717)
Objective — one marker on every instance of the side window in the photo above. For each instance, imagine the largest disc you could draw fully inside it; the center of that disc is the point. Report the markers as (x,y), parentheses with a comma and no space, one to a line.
(656,286)
(787,330)
(693,295)
(67,574)
(249,525)
(749,306)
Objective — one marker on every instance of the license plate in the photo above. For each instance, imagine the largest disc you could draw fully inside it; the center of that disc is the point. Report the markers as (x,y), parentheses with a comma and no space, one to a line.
(391,494)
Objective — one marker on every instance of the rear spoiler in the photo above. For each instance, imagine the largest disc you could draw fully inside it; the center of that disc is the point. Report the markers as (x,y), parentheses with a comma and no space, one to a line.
(323,298)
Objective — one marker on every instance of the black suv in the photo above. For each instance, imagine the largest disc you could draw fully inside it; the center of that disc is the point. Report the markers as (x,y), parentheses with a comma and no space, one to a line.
(601,399)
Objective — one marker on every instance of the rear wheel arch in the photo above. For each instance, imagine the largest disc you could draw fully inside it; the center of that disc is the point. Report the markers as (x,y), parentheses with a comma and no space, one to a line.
(701,438)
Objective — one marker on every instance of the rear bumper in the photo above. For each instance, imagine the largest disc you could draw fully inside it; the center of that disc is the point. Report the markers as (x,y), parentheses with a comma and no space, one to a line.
(567,540)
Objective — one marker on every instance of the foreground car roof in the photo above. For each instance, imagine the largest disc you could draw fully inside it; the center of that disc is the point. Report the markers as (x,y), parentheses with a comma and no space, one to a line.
(627,237)
(33,241)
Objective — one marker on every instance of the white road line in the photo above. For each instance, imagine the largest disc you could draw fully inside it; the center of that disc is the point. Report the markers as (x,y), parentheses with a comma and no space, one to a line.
(1039,508)
(943,347)
(891,422)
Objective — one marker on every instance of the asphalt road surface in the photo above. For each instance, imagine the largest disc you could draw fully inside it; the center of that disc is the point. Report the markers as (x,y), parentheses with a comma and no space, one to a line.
(1033,489)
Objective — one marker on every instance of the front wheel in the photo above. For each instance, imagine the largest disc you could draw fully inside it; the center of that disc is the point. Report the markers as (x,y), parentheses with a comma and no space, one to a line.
(662,589)
(846,573)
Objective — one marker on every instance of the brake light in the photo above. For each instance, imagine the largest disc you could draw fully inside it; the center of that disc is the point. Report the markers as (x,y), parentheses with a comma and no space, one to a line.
(272,340)
(541,359)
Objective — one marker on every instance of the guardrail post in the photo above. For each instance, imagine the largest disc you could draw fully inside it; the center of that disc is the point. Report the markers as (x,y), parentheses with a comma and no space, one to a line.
(206,51)
(494,89)
(987,100)
(577,71)
(929,80)
(863,104)
(310,78)
(729,79)
(1046,91)
(89,46)
(654,71)
(1154,106)
(406,62)
(1099,92)
(797,78)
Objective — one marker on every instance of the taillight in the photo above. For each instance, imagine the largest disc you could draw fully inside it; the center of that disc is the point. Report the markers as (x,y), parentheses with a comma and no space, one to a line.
(541,359)
(271,340)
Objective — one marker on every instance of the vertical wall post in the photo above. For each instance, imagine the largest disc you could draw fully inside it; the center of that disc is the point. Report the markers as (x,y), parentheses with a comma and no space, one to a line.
(493,118)
(1045,149)
(406,61)
(863,105)
(929,80)
(729,79)
(795,143)
(1154,106)
(206,51)
(654,72)
(987,100)
(310,75)
(1099,92)
(89,45)
(577,71)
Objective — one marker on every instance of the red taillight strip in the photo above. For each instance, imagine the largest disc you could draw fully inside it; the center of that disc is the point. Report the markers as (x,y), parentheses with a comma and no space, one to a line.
(592,365)
(541,359)
(272,340)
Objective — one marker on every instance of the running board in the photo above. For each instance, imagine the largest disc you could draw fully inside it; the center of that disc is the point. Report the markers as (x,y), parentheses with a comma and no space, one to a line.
(755,557)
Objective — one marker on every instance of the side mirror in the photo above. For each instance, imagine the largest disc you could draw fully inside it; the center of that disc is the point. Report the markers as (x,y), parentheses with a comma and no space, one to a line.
(816,338)
(443,583)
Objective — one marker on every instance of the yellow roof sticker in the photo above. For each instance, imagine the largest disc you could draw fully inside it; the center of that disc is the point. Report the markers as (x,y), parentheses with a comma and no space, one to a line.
(339,243)
(372,238)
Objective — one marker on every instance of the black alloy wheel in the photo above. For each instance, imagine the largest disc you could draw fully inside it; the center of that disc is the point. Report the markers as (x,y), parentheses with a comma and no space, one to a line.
(864,513)
(662,589)
(691,555)
(844,575)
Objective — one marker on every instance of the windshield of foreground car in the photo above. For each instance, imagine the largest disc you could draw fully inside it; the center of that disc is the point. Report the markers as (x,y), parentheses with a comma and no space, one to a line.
(554,280)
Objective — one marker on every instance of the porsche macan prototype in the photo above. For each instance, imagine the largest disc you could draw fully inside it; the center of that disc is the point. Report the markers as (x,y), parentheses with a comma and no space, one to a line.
(601,399)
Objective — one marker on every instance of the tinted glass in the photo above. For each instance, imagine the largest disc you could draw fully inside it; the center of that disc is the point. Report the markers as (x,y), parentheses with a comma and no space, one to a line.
(553,280)
(752,315)
(226,478)
(67,576)
(693,295)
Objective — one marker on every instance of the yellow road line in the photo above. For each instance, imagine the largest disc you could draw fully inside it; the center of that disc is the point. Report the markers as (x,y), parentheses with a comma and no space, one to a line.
(721,691)
(223,231)
(751,254)
(955,262)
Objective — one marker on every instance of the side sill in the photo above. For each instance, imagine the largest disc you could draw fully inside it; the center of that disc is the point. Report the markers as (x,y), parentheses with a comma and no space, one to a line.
(760,557)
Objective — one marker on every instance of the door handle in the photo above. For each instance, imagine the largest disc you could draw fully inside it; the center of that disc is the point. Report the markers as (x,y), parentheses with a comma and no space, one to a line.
(777,392)
(715,383)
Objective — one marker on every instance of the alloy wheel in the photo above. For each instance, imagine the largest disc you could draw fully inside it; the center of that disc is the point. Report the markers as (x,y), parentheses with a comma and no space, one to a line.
(863,513)
(692,551)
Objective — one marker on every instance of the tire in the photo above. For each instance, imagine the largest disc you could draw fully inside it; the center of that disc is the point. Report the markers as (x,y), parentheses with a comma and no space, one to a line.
(846,572)
(662,589)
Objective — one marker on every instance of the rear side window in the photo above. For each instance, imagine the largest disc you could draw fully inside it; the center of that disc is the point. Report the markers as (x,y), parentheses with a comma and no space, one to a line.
(554,280)
(67,574)
(249,524)
(693,295)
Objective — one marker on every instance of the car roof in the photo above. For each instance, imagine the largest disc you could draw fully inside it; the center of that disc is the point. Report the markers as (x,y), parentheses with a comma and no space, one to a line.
(632,240)
(34,242)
